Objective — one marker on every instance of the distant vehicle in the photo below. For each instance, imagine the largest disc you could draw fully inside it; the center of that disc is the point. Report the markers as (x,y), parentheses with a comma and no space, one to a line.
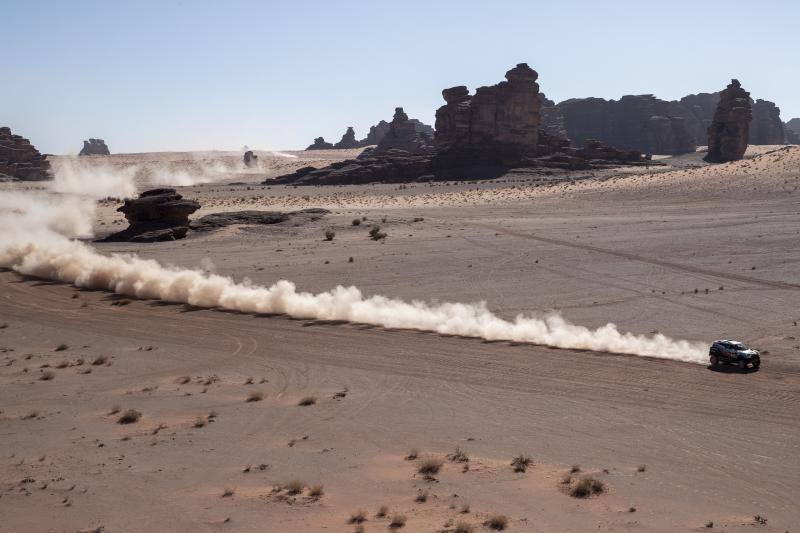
(734,353)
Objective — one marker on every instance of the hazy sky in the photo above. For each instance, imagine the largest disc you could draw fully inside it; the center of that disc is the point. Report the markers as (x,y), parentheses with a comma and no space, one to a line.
(176,75)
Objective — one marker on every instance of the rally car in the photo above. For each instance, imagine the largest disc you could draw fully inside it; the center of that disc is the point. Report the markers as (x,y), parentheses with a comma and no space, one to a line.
(734,353)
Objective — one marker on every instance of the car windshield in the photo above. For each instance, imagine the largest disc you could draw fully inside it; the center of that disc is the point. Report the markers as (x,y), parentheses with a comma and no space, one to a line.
(737,346)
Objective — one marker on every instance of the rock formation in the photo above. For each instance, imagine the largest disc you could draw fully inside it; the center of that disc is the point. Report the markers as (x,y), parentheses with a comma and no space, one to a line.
(640,122)
(792,131)
(379,130)
(348,140)
(19,159)
(320,144)
(94,147)
(256,218)
(250,159)
(402,135)
(477,137)
(728,133)
(157,215)
(767,126)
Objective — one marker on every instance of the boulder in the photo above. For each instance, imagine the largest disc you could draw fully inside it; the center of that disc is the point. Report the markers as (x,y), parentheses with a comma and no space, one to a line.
(729,131)
(348,140)
(157,215)
(19,159)
(320,144)
(94,147)
(255,218)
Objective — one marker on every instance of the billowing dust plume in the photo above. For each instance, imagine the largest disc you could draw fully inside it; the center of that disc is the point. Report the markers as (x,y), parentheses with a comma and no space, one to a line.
(35,240)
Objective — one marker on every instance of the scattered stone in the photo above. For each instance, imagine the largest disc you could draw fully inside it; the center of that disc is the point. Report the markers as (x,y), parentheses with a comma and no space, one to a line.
(94,147)
(19,159)
(728,133)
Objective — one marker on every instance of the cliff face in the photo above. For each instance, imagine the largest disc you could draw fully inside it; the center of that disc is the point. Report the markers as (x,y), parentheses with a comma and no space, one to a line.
(641,122)
(652,125)
(20,159)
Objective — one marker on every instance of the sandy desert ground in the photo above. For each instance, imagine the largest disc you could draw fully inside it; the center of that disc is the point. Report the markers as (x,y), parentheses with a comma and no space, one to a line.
(693,251)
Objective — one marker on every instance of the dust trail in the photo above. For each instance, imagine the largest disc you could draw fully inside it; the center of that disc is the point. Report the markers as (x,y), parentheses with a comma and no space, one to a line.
(46,251)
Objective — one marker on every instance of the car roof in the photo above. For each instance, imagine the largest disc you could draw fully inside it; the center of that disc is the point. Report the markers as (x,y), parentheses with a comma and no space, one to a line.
(725,341)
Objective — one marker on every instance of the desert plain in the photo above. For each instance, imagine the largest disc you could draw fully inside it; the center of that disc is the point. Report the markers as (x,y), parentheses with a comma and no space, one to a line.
(249,422)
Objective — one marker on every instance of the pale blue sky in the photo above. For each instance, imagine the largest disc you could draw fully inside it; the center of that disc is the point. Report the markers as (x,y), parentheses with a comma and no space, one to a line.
(175,75)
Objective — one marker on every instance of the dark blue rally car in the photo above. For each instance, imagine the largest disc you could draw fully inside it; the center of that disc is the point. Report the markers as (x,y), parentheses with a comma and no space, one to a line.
(734,353)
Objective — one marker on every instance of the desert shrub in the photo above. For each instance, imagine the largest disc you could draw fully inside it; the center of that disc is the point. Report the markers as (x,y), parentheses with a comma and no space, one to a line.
(255,396)
(498,522)
(422,497)
(376,234)
(47,376)
(295,486)
(308,400)
(586,486)
(382,511)
(356,222)
(521,462)
(100,360)
(227,493)
(316,491)
(329,234)
(397,522)
(130,416)
(61,347)
(430,466)
(357,517)
(413,454)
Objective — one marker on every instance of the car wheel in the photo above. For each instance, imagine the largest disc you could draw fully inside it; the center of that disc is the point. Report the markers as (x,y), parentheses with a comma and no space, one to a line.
(714,360)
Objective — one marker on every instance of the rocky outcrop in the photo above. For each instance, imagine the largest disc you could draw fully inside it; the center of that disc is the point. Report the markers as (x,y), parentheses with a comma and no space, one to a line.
(792,131)
(379,131)
(157,215)
(320,144)
(728,133)
(477,137)
(635,122)
(767,126)
(94,147)
(402,135)
(256,218)
(250,159)
(506,113)
(19,159)
(348,140)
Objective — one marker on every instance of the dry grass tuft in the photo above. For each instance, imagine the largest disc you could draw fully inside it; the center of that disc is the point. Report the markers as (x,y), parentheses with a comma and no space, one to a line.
(227,493)
(459,456)
(47,376)
(464,509)
(422,496)
(131,416)
(412,455)
(61,347)
(357,518)
(641,468)
(308,400)
(114,410)
(463,527)
(382,511)
(316,491)
(199,423)
(100,360)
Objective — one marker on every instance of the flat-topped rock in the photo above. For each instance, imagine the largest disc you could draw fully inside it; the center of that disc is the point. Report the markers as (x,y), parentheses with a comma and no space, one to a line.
(157,215)
(94,147)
